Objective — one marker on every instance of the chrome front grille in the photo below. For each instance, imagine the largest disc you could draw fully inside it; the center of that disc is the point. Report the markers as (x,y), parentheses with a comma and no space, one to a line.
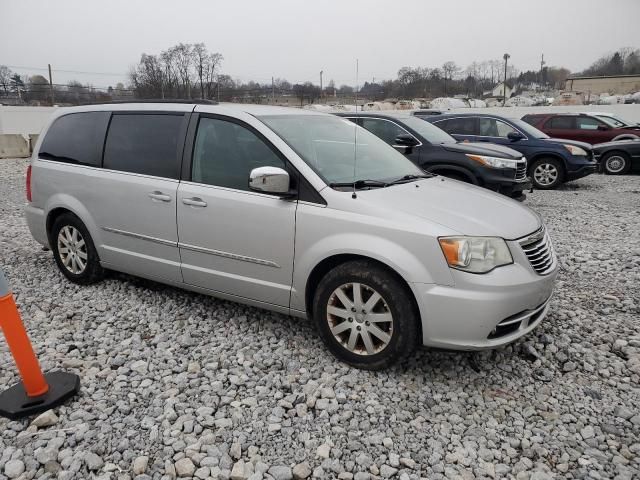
(539,250)
(521,170)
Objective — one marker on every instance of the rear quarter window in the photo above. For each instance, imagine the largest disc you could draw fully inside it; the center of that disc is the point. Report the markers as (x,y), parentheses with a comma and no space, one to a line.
(148,144)
(76,138)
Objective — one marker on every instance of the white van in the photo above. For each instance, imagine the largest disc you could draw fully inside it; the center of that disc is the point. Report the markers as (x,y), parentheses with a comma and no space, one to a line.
(294,211)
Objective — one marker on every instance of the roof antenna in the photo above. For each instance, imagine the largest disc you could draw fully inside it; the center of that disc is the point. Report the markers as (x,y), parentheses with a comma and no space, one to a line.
(355,138)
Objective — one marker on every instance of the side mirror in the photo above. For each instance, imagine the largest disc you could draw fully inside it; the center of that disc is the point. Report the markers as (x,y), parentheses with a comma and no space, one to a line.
(270,180)
(603,128)
(515,136)
(406,140)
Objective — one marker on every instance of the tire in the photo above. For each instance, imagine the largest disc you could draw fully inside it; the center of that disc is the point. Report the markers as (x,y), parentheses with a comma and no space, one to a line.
(376,345)
(546,173)
(616,163)
(74,251)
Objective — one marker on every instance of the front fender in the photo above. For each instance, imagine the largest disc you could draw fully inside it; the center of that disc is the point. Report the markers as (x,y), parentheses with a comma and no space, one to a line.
(395,256)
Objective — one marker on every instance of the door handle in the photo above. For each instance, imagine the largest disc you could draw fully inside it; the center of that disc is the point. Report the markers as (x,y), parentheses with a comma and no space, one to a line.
(194,202)
(156,195)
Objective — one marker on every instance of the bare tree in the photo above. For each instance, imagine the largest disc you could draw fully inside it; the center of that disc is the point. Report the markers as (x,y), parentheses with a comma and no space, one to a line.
(5,78)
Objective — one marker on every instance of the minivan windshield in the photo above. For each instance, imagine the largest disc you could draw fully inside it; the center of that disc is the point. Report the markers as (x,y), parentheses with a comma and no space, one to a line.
(336,148)
(529,130)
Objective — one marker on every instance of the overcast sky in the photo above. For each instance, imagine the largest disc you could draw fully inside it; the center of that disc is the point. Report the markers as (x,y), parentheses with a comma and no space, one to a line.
(296,39)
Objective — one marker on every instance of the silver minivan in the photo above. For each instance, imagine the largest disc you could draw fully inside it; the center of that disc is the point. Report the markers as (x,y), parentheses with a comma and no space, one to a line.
(294,211)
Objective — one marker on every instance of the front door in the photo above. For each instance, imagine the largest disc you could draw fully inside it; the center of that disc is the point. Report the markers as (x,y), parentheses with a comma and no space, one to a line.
(231,239)
(388,131)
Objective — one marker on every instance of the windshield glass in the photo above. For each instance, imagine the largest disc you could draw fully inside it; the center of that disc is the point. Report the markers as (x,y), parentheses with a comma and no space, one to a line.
(613,121)
(529,130)
(429,132)
(327,144)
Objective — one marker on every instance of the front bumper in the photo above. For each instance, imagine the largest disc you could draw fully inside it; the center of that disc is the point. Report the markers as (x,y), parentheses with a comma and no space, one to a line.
(582,171)
(485,311)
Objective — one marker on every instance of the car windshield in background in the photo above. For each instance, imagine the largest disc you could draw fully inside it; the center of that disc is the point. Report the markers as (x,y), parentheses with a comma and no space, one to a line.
(529,130)
(328,145)
(429,132)
(616,122)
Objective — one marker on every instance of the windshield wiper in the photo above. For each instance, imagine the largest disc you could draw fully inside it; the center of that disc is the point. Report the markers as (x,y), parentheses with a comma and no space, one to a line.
(411,177)
(358,184)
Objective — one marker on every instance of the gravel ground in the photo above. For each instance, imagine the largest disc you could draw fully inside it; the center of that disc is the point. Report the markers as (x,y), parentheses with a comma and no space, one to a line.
(180,384)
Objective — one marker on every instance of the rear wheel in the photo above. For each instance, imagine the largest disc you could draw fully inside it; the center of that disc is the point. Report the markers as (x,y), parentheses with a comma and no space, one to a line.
(365,315)
(74,251)
(616,163)
(546,173)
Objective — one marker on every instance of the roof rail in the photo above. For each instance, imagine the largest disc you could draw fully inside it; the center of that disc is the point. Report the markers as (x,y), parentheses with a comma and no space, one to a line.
(198,101)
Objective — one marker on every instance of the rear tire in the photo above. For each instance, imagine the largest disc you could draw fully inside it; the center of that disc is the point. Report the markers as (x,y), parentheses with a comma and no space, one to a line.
(365,315)
(74,251)
(616,163)
(546,173)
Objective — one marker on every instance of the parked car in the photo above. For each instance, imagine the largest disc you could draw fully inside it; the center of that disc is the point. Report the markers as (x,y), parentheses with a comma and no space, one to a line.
(550,161)
(298,212)
(581,127)
(491,166)
(618,158)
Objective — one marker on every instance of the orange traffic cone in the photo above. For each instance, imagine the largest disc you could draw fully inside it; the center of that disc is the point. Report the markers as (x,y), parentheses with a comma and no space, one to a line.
(37,392)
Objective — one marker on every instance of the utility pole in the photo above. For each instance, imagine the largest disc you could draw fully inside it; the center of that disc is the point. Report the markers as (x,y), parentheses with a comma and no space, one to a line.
(51,86)
(506,57)
(321,86)
(273,92)
(541,68)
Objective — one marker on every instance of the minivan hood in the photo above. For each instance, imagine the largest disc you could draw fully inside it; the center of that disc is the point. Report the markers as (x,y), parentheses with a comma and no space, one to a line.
(459,206)
(575,143)
(483,149)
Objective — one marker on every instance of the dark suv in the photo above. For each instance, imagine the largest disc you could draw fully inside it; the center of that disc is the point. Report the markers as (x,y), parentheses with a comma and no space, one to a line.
(491,166)
(582,127)
(551,161)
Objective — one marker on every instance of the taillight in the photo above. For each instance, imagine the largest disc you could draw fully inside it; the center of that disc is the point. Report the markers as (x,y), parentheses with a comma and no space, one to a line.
(29,183)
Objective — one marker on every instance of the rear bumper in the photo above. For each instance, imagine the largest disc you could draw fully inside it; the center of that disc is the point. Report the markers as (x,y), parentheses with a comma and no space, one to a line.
(36,223)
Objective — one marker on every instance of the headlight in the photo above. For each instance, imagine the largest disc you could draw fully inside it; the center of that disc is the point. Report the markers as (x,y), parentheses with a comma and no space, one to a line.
(494,162)
(575,150)
(475,254)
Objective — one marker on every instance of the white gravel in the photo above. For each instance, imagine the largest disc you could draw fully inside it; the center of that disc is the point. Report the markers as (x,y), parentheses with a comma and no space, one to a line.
(180,384)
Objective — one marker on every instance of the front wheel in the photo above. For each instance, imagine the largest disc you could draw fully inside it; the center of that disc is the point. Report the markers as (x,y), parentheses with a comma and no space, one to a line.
(546,173)
(365,315)
(616,163)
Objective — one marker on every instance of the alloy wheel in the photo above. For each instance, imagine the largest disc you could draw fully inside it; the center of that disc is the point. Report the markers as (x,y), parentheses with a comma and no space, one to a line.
(72,249)
(615,164)
(360,319)
(545,174)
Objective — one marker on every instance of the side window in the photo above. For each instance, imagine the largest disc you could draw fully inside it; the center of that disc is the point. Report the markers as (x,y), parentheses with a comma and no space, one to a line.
(144,143)
(443,125)
(387,131)
(225,153)
(76,138)
(490,127)
(588,123)
(462,126)
(565,123)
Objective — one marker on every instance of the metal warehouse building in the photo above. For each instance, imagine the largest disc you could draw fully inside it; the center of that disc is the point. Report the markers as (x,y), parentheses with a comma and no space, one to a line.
(614,84)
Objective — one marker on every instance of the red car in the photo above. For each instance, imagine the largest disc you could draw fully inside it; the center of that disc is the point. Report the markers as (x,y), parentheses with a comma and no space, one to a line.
(582,127)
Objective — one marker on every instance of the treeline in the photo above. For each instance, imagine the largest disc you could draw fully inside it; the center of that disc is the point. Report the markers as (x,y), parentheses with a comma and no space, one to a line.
(626,61)
(192,71)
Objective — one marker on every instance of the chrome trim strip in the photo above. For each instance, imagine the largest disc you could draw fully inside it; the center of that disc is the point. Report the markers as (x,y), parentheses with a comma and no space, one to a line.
(139,236)
(233,256)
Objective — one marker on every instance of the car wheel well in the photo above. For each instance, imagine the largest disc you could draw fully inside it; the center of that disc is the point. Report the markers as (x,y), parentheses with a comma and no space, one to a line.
(329,263)
(52,216)
(625,136)
(544,156)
